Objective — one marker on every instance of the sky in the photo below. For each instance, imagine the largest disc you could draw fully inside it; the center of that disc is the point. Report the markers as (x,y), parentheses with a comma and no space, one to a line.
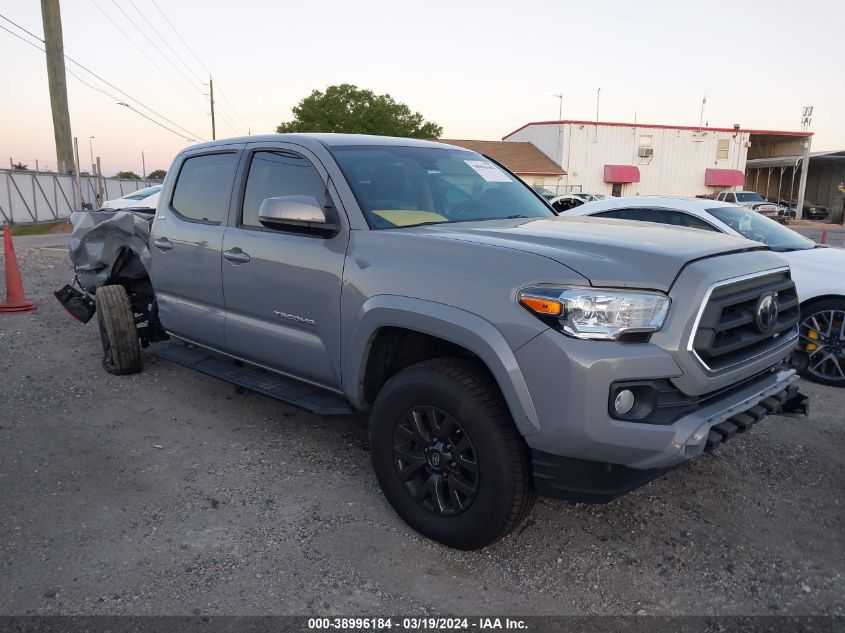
(479,69)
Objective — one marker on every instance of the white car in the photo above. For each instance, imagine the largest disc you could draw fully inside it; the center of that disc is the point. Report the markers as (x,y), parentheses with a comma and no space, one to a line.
(571,200)
(818,271)
(146,198)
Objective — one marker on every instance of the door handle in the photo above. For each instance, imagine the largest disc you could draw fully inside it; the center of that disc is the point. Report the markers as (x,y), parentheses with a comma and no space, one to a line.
(163,244)
(236,256)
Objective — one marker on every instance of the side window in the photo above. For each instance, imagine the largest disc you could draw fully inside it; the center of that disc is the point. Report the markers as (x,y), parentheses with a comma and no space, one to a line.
(730,197)
(659,216)
(685,219)
(641,215)
(204,186)
(278,173)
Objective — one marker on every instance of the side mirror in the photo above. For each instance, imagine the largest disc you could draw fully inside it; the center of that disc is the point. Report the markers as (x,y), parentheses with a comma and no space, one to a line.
(295,213)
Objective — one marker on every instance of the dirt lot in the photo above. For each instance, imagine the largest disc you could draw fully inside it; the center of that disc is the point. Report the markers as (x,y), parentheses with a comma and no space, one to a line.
(170,493)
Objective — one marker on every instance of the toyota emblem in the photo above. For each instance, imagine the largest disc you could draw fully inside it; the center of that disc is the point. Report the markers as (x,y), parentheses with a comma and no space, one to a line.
(767,312)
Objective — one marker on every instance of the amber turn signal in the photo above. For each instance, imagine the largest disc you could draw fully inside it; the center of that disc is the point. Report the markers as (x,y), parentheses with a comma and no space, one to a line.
(541,306)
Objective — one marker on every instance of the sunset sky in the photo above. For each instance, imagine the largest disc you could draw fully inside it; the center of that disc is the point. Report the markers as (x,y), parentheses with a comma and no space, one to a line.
(480,69)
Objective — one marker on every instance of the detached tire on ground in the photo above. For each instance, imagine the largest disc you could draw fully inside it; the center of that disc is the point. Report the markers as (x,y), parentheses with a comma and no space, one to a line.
(121,348)
(447,454)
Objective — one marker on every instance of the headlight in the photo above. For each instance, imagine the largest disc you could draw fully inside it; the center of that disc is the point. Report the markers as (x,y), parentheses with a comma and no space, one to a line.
(597,313)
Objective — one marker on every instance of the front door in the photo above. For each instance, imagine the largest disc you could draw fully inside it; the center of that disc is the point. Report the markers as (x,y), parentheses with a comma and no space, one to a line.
(616,191)
(282,289)
(185,244)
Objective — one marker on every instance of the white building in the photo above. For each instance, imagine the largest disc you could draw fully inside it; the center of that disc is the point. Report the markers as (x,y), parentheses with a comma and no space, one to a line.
(644,159)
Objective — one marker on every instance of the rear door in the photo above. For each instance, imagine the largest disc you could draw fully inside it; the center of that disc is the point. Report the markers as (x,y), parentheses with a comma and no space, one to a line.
(186,242)
(282,288)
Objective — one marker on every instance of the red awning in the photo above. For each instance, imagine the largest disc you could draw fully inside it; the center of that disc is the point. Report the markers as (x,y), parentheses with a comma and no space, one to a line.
(723,178)
(621,173)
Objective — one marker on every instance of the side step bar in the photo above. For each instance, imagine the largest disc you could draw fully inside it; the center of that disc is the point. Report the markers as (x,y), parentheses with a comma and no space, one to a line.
(286,390)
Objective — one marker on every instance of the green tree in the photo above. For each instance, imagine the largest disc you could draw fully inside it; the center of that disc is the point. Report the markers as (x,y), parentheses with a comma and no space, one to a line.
(127,175)
(20,167)
(347,108)
(158,174)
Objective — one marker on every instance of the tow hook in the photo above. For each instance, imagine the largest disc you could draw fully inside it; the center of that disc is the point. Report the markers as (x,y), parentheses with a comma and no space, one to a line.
(796,406)
(81,307)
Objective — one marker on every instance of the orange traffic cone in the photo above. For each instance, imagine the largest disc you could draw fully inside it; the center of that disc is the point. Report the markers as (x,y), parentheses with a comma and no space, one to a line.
(15,299)
(824,238)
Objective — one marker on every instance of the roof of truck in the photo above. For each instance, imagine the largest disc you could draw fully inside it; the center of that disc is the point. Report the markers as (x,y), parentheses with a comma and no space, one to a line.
(327,139)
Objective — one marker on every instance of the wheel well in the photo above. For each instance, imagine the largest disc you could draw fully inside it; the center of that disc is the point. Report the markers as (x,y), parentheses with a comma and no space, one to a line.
(809,302)
(129,271)
(394,348)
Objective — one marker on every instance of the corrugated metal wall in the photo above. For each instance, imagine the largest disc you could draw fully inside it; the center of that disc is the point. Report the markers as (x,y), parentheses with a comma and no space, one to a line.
(27,197)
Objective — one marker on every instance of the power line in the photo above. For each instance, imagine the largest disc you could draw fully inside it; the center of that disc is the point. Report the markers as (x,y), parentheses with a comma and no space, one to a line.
(235,112)
(166,43)
(148,58)
(154,45)
(199,61)
(181,39)
(39,38)
(92,73)
(111,96)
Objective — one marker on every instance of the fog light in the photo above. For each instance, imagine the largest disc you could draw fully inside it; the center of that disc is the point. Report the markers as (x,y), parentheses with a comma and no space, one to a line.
(624,401)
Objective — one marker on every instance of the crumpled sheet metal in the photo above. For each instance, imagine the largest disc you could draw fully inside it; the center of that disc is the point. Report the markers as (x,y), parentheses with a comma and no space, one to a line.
(98,238)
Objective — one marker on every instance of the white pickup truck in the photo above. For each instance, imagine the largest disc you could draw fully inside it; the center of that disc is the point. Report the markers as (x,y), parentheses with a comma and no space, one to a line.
(754,201)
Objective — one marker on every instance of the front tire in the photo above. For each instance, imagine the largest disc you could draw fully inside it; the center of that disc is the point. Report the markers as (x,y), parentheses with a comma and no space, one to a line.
(118,334)
(447,454)
(822,341)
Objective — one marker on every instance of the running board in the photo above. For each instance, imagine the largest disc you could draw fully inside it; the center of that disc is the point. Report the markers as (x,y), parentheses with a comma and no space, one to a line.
(287,390)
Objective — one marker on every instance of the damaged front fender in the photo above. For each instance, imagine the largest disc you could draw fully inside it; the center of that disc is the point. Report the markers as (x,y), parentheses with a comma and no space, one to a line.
(105,243)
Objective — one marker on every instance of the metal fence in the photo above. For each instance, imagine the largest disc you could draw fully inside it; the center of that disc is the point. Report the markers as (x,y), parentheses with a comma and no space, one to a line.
(27,197)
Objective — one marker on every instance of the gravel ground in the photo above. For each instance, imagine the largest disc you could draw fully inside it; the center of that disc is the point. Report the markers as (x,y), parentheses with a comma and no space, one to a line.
(169,492)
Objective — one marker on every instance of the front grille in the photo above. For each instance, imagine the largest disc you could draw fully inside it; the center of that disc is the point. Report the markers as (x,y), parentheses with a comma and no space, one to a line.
(729,329)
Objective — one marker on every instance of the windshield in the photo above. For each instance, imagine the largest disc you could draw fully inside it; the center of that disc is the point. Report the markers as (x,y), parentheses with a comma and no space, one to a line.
(407,186)
(759,228)
(142,193)
(745,196)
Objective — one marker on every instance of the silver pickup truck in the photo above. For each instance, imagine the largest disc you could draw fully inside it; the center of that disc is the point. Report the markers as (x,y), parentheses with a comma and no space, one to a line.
(500,351)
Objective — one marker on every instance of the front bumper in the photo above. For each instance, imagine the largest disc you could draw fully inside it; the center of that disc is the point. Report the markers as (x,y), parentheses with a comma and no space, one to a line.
(587,481)
(582,453)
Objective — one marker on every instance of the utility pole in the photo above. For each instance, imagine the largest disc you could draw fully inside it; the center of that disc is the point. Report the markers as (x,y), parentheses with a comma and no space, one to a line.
(211,98)
(51,17)
(77,174)
(100,185)
(143,164)
(91,148)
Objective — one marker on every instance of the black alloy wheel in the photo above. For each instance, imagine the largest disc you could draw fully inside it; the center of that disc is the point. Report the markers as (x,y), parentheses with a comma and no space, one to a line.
(436,461)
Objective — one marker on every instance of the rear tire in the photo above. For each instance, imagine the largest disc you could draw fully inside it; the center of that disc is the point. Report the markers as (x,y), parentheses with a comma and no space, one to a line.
(118,334)
(448,456)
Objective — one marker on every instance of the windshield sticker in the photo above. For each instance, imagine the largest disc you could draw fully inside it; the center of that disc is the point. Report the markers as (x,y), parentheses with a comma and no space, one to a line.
(745,224)
(488,171)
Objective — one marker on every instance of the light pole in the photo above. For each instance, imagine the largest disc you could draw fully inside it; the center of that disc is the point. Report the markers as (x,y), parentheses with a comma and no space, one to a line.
(143,164)
(560,127)
(91,147)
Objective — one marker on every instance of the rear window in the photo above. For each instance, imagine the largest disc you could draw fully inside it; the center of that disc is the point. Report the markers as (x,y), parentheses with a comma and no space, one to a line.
(142,193)
(204,186)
